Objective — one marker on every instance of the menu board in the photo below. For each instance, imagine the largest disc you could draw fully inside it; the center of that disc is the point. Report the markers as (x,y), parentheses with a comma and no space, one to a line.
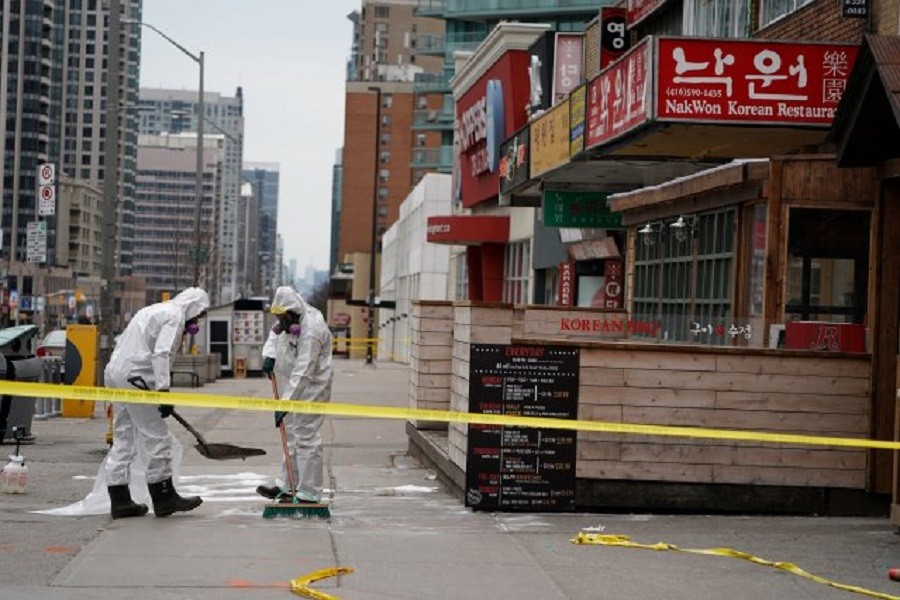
(522,468)
(248,327)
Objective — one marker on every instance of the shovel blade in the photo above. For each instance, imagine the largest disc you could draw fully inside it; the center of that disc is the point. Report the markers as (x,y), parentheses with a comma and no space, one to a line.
(227,451)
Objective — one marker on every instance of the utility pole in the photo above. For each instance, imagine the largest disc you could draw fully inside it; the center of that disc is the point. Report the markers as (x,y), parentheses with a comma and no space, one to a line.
(201,114)
(371,334)
(110,187)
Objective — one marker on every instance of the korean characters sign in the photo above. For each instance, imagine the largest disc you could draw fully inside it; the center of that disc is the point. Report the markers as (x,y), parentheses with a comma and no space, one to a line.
(614,37)
(550,139)
(750,81)
(568,59)
(619,98)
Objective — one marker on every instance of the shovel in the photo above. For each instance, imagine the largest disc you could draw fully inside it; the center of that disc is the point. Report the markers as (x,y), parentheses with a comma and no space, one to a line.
(213,451)
(217,451)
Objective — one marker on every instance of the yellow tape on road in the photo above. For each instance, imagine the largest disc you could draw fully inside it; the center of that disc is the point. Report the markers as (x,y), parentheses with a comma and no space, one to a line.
(625,542)
(46,390)
(300,585)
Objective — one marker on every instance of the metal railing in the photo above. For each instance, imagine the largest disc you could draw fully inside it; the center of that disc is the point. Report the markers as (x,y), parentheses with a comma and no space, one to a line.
(431,82)
(51,372)
(459,8)
(428,158)
(430,8)
(432,119)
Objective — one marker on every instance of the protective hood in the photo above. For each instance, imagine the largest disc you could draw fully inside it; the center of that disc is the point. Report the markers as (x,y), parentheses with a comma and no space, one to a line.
(193,301)
(287,299)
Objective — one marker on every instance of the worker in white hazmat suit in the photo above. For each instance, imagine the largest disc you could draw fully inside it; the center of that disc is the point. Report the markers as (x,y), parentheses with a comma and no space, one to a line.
(298,354)
(142,359)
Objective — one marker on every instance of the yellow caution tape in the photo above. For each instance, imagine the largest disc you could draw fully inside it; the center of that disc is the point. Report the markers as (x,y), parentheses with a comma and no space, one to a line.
(135,396)
(300,586)
(625,542)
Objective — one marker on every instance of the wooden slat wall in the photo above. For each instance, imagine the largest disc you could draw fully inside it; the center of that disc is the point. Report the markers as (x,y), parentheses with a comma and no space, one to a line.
(806,395)
(431,339)
(473,324)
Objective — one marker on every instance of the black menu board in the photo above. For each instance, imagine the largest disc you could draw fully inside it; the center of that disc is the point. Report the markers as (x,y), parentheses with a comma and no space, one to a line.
(522,468)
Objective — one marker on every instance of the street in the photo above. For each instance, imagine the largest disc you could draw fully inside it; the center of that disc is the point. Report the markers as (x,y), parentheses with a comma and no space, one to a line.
(392,522)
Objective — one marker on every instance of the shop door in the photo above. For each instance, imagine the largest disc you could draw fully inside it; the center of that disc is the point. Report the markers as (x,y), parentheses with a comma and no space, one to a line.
(219,341)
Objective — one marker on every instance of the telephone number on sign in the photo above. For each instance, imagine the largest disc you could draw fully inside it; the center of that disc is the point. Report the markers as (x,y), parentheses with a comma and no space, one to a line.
(679,92)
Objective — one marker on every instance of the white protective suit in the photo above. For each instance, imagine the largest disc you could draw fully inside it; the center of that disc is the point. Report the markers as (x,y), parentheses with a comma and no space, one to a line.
(146,349)
(302,372)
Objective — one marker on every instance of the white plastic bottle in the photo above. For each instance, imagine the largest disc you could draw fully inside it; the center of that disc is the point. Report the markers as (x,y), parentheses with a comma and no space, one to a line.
(14,477)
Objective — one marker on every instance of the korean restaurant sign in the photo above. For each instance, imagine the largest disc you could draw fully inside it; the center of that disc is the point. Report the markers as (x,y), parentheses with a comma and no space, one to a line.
(614,37)
(568,208)
(638,10)
(619,98)
(750,81)
(576,120)
(550,139)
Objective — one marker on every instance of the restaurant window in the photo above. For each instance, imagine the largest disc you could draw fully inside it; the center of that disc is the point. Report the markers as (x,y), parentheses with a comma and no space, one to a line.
(716,18)
(828,265)
(770,10)
(517,272)
(683,274)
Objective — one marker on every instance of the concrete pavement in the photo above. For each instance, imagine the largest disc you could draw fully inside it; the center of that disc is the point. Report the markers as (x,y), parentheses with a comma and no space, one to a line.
(392,522)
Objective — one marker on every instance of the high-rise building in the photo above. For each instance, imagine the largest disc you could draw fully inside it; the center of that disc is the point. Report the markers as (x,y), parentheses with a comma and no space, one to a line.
(164,247)
(175,111)
(337,176)
(53,108)
(264,176)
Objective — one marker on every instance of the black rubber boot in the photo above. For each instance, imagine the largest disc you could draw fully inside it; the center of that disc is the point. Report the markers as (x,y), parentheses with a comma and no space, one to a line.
(121,506)
(268,491)
(167,501)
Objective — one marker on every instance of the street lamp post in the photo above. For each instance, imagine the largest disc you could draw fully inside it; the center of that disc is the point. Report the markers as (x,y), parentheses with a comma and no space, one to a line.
(371,332)
(201,113)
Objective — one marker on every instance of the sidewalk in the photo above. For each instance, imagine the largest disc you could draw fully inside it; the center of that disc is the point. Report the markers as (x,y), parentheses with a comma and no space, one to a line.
(392,522)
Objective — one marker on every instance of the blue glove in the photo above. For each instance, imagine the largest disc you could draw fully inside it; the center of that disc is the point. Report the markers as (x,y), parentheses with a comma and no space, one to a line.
(279,417)
(268,366)
(165,410)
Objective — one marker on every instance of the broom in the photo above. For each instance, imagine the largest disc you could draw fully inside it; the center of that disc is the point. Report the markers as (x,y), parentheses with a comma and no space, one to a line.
(288,505)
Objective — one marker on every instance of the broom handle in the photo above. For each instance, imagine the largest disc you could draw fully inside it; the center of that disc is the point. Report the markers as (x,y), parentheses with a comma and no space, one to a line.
(288,464)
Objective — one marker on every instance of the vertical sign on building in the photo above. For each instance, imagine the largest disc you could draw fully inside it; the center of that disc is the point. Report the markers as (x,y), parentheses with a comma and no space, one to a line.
(566,283)
(613,275)
(568,63)
(614,38)
(522,468)
(36,242)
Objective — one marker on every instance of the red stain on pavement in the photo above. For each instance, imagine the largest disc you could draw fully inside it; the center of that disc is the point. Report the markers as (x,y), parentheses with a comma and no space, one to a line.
(62,549)
(7,548)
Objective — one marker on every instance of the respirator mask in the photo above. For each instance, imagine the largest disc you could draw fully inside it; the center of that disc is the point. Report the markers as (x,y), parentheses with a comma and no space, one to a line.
(287,322)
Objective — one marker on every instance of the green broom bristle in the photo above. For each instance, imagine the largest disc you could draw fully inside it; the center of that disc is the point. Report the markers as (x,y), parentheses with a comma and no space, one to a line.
(296,510)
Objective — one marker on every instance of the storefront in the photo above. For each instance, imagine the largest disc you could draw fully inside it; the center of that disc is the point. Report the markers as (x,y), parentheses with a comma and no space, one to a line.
(867,134)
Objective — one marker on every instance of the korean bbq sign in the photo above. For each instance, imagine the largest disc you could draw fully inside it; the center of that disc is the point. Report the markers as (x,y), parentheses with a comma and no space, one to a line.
(741,81)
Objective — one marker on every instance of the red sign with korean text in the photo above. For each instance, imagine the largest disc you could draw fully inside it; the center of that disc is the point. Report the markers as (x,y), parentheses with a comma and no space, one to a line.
(568,64)
(619,98)
(640,9)
(751,81)
(566,283)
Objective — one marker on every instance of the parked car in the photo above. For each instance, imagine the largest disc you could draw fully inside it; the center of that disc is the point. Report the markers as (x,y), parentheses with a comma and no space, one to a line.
(53,344)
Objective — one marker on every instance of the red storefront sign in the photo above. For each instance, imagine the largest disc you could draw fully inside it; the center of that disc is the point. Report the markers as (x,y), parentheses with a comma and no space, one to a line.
(638,10)
(566,283)
(487,114)
(619,98)
(750,81)
(467,229)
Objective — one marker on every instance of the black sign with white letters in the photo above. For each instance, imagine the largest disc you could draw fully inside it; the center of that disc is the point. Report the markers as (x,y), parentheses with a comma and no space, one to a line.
(858,9)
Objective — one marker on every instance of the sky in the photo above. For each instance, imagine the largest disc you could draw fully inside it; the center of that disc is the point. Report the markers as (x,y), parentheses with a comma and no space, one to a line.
(290,58)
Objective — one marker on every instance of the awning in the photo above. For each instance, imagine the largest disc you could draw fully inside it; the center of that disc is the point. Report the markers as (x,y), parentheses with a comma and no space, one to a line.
(867,126)
(468,230)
